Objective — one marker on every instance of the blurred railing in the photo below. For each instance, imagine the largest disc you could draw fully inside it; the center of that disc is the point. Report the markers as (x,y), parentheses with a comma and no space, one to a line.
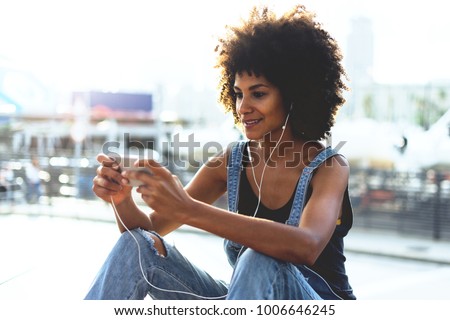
(413,203)
(57,175)
(60,176)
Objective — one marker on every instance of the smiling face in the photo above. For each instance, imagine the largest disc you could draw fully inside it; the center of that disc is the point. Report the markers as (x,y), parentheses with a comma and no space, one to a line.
(259,105)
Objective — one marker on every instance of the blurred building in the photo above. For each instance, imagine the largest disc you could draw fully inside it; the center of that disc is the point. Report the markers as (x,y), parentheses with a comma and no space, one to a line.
(411,104)
(360,51)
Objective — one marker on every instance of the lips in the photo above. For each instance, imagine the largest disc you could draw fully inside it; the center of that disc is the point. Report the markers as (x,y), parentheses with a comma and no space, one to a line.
(251,123)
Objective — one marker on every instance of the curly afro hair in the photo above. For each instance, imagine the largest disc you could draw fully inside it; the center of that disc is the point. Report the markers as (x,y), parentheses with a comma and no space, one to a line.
(295,54)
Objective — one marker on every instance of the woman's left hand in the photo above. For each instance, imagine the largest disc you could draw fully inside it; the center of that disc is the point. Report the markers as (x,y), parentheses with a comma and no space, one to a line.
(161,190)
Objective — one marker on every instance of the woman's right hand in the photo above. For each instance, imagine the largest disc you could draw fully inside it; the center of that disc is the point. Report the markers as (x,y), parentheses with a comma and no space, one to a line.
(109,182)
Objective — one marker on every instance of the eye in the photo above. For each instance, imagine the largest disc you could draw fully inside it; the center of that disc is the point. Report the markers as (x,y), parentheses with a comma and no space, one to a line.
(259,94)
(238,95)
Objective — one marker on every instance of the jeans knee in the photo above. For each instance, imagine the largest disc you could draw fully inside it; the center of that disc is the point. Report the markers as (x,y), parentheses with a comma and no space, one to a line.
(252,262)
(255,277)
(158,245)
(144,238)
(261,277)
(255,259)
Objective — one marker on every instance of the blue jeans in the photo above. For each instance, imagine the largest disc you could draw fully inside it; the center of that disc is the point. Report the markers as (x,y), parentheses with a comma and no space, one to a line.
(256,276)
(120,278)
(260,277)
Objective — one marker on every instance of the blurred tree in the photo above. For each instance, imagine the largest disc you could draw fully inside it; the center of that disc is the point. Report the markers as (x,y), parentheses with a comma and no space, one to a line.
(368,108)
(429,107)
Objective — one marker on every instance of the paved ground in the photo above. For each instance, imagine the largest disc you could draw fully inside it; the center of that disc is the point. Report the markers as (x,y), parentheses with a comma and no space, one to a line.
(49,254)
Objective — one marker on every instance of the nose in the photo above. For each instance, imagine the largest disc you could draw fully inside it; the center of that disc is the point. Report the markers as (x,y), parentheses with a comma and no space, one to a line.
(243,106)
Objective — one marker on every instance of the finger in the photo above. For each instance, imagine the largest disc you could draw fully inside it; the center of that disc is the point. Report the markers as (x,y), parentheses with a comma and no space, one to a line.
(103,157)
(105,183)
(108,161)
(112,174)
(155,167)
(145,176)
(147,199)
(144,190)
(103,193)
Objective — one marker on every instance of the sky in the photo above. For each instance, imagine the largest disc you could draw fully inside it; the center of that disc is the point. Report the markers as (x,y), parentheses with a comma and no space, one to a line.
(166,47)
(138,45)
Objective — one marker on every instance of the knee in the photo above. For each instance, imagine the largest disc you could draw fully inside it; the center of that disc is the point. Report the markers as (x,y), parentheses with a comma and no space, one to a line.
(251,262)
(255,259)
(144,239)
(254,277)
(158,245)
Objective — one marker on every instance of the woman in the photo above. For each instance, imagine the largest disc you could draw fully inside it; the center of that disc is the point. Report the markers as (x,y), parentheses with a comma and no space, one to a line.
(282,80)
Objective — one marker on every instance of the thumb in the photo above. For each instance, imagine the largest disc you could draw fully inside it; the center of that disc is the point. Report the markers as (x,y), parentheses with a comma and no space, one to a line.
(155,167)
(103,157)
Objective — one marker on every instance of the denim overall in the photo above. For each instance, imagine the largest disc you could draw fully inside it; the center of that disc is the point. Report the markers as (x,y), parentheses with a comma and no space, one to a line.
(255,275)
(330,262)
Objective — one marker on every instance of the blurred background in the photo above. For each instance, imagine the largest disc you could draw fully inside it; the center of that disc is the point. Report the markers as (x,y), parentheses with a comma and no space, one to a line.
(82,77)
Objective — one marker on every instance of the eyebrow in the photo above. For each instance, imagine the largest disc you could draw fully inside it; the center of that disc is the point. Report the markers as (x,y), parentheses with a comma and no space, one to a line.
(254,87)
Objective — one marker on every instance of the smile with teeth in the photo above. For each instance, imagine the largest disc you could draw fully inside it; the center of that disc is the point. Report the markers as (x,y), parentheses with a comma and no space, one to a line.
(250,123)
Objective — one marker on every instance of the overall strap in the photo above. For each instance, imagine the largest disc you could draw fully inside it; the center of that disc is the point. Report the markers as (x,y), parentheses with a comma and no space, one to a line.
(234,168)
(302,187)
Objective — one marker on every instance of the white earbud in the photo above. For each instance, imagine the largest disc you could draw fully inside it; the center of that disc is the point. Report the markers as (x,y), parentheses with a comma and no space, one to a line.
(287,118)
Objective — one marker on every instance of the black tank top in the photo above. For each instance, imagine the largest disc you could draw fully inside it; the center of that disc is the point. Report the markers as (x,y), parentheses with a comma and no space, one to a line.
(248,200)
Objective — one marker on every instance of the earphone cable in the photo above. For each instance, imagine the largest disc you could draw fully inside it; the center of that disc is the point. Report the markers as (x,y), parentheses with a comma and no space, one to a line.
(259,185)
(142,268)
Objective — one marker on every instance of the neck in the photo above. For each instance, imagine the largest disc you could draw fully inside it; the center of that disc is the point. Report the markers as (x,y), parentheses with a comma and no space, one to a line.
(273,143)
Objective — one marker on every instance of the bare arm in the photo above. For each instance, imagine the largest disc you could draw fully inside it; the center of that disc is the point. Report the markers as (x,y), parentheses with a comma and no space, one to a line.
(301,244)
(206,186)
(110,186)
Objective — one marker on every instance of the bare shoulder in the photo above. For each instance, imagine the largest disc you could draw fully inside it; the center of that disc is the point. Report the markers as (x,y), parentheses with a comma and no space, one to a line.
(337,162)
(334,171)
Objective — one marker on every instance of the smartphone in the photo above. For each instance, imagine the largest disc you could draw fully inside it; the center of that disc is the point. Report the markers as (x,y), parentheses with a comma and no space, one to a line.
(126,163)
(135,182)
